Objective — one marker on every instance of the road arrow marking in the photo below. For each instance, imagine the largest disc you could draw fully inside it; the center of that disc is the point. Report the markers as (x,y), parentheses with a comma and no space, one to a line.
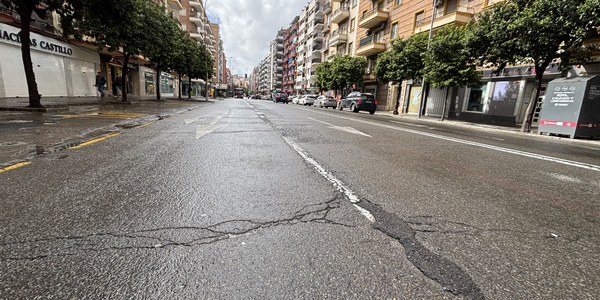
(342,128)
(203,130)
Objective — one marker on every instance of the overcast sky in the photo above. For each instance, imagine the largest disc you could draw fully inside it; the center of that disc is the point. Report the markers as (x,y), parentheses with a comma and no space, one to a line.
(248,27)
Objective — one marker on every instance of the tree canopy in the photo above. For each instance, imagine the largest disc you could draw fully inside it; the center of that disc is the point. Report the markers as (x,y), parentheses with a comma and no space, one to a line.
(403,61)
(447,62)
(540,32)
(346,70)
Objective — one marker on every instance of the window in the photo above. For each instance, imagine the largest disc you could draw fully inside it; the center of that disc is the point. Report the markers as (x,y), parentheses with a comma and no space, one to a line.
(354,2)
(419,18)
(350,46)
(352,24)
(394,32)
(476,98)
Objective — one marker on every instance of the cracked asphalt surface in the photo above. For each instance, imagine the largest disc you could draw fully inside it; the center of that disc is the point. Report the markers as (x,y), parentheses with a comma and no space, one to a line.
(213,203)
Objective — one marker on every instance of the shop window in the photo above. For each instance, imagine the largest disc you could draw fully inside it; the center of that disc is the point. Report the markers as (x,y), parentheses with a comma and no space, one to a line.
(149,83)
(504,98)
(476,98)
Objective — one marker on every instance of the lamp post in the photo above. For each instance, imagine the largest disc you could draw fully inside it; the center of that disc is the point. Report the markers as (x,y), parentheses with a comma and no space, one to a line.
(435,4)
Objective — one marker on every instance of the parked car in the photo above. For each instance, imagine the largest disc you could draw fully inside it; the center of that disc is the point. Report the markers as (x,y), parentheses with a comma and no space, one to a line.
(294,99)
(255,97)
(325,101)
(307,100)
(281,97)
(266,97)
(357,101)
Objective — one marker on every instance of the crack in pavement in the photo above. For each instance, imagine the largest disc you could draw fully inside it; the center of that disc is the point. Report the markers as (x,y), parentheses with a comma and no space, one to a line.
(448,274)
(157,238)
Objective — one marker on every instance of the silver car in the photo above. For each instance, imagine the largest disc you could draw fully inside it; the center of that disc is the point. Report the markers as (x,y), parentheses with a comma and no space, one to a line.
(325,101)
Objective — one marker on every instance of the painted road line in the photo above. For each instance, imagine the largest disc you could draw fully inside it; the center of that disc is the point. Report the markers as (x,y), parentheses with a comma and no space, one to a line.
(144,125)
(15,166)
(557,160)
(337,184)
(342,128)
(202,130)
(94,141)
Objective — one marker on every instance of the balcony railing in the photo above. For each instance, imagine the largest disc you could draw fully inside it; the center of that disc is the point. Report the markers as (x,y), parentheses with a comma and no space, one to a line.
(373,18)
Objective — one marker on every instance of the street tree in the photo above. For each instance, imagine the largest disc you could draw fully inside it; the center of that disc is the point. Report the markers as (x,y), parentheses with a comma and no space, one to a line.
(346,70)
(447,62)
(124,32)
(108,11)
(403,61)
(540,32)
(164,41)
(323,76)
(193,60)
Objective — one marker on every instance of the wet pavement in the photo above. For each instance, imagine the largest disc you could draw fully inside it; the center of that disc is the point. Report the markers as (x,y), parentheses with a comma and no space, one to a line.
(252,199)
(26,133)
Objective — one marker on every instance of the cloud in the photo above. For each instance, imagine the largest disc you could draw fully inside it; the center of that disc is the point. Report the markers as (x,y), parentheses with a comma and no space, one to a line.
(248,27)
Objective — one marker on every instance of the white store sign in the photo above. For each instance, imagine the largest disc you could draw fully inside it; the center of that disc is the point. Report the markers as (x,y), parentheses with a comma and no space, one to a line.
(61,69)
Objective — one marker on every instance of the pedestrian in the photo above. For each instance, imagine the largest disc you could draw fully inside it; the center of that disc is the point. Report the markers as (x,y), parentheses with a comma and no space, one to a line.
(100,82)
(118,85)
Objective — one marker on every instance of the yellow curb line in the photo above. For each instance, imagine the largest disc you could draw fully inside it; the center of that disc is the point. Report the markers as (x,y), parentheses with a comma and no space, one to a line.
(94,141)
(15,166)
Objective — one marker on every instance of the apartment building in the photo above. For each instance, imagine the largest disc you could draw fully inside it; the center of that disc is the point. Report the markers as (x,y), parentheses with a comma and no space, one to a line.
(195,20)
(290,45)
(310,42)
(276,63)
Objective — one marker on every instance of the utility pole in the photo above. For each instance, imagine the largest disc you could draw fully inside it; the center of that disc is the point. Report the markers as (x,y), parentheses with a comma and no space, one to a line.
(435,4)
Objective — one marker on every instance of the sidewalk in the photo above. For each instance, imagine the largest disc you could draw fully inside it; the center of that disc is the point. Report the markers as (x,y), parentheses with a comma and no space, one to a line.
(53,103)
(66,122)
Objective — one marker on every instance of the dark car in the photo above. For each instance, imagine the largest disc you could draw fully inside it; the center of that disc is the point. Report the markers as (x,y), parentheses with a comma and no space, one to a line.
(357,101)
(281,97)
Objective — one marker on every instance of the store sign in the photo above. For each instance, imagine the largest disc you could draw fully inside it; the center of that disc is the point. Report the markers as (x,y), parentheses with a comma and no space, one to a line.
(36,43)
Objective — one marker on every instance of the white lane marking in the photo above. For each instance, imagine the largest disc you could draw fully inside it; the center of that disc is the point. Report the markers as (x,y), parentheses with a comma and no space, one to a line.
(203,130)
(342,128)
(409,124)
(557,160)
(565,178)
(339,185)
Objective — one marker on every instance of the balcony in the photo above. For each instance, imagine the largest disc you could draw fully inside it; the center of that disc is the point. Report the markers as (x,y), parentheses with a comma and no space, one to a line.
(340,15)
(196,20)
(370,45)
(327,7)
(337,38)
(326,28)
(461,16)
(174,4)
(197,36)
(373,18)
(195,3)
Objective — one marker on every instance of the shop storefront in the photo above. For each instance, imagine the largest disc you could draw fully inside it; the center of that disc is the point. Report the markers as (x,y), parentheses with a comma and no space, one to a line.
(61,69)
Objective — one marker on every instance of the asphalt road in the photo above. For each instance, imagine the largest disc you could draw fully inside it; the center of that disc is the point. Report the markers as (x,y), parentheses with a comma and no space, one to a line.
(252,199)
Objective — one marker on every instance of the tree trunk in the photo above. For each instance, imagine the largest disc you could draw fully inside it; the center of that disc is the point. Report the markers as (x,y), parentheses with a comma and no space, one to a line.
(398,99)
(34,96)
(189,87)
(124,77)
(179,86)
(539,73)
(158,81)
